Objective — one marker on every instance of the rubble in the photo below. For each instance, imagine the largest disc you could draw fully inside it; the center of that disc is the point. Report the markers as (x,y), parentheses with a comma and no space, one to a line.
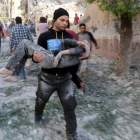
(109,111)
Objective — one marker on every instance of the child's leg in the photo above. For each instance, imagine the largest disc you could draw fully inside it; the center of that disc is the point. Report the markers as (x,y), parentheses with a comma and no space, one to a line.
(25,50)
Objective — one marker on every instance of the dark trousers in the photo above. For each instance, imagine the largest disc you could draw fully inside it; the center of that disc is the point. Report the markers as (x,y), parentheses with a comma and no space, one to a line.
(75,78)
(47,85)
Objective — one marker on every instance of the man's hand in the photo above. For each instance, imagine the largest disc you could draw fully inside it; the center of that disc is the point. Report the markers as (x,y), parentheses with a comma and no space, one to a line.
(11,51)
(97,47)
(38,56)
(86,54)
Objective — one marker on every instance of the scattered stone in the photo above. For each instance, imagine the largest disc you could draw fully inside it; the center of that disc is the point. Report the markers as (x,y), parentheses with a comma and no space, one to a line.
(112,77)
(128,84)
(111,104)
(2,94)
(128,89)
(89,106)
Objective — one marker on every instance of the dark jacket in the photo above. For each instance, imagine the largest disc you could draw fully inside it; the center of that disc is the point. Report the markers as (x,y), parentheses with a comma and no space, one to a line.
(51,40)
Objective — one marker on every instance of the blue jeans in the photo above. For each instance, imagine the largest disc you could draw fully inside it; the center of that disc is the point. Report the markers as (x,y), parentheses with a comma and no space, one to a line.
(22,73)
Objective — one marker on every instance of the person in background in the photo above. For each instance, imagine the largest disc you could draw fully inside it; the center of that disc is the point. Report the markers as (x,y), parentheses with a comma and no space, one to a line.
(32,29)
(10,27)
(85,35)
(18,33)
(5,31)
(42,26)
(76,19)
(0,36)
(74,69)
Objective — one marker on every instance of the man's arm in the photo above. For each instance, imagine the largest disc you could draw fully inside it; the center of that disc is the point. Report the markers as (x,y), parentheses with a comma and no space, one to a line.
(39,56)
(92,38)
(12,36)
(12,41)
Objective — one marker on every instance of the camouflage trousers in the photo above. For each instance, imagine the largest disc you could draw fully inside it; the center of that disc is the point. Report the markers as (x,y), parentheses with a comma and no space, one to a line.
(26,49)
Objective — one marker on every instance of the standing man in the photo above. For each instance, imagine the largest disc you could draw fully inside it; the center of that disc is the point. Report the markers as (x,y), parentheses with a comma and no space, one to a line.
(18,33)
(56,79)
(76,19)
(85,35)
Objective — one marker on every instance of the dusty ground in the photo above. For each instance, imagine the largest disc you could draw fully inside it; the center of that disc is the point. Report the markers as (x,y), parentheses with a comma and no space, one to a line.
(109,112)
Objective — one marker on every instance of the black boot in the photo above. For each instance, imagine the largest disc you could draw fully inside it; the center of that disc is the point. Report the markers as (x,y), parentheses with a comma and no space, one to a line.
(38,120)
(72,136)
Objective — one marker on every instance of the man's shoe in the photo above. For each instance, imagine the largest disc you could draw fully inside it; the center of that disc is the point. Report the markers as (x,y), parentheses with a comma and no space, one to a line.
(72,136)
(38,123)
(38,120)
(10,78)
(5,71)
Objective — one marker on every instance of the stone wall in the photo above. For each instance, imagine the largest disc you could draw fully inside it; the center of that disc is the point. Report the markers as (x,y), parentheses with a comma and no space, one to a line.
(15,9)
(48,7)
(103,25)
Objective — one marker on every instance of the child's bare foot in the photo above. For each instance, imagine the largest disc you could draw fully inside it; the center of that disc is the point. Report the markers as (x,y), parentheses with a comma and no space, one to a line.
(10,78)
(5,71)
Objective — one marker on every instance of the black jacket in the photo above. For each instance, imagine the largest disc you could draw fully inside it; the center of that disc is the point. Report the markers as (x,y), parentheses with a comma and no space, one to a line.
(51,40)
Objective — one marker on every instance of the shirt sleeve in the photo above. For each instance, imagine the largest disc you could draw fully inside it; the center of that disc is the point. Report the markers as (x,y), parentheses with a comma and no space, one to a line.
(92,38)
(12,42)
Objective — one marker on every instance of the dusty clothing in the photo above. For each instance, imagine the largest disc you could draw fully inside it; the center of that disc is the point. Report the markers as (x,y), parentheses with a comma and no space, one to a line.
(47,85)
(18,33)
(26,49)
(83,66)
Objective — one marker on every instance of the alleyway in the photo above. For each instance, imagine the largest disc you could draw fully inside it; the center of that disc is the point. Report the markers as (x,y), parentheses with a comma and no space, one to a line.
(111,110)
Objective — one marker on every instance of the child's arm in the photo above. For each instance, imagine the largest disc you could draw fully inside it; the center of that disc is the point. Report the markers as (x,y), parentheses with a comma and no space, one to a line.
(73,51)
(59,55)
